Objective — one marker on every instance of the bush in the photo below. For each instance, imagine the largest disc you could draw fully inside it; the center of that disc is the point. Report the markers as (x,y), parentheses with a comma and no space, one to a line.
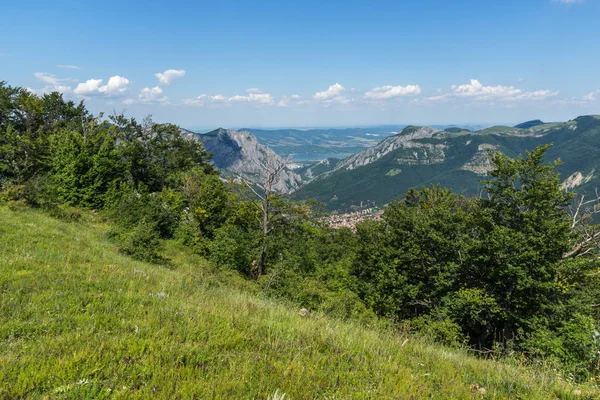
(575,344)
(40,192)
(232,248)
(439,330)
(134,208)
(142,243)
(10,192)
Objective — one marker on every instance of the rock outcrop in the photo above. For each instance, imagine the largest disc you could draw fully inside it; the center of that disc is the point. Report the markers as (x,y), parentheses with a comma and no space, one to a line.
(238,153)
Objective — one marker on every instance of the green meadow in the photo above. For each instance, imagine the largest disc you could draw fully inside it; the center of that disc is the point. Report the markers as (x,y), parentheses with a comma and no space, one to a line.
(79,320)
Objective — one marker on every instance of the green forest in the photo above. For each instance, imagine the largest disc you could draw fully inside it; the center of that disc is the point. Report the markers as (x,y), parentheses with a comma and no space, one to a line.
(511,273)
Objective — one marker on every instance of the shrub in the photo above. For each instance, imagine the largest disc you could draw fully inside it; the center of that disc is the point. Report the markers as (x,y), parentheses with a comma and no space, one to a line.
(40,192)
(134,208)
(232,248)
(142,243)
(439,330)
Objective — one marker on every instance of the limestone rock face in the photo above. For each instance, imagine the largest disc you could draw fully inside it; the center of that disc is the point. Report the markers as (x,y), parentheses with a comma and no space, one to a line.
(239,154)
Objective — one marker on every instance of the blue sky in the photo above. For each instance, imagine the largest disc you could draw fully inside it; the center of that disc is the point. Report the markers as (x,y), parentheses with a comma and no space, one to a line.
(311,63)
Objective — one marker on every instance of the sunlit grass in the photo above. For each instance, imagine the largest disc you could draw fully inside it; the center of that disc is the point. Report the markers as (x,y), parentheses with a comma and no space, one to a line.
(79,320)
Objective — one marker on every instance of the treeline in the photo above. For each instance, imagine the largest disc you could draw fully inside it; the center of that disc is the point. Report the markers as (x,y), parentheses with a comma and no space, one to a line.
(510,272)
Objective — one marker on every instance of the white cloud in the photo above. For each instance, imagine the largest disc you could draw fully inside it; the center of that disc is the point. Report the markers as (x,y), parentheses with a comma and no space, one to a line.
(388,92)
(88,87)
(116,86)
(167,77)
(286,101)
(50,78)
(152,95)
(537,95)
(68,66)
(253,96)
(218,98)
(54,84)
(46,77)
(479,92)
(332,92)
(198,101)
(591,96)
(568,1)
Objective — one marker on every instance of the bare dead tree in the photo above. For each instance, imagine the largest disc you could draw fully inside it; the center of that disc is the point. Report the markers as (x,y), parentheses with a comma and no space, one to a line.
(583,211)
(272,168)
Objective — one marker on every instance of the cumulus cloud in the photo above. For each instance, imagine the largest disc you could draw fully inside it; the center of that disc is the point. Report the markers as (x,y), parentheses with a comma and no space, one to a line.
(591,96)
(332,92)
(389,92)
(479,92)
(116,86)
(253,97)
(218,98)
(68,66)
(287,101)
(167,77)
(152,95)
(88,87)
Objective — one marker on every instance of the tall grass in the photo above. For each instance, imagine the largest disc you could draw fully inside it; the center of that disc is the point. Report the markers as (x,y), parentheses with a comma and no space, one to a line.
(79,320)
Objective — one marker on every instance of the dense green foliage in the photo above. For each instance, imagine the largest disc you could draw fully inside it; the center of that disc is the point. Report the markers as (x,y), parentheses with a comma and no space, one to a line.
(494,267)
(506,272)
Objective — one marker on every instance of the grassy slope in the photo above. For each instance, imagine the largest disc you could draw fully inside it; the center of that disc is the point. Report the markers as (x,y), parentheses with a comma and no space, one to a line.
(79,320)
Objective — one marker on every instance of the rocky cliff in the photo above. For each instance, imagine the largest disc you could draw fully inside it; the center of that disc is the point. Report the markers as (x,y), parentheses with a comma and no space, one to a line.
(238,153)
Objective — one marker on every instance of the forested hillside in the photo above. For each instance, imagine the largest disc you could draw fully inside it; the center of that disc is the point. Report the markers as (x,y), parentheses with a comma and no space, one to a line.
(511,274)
(456,159)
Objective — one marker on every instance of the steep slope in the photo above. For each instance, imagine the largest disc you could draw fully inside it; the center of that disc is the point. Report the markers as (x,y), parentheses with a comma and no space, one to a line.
(78,320)
(238,153)
(454,158)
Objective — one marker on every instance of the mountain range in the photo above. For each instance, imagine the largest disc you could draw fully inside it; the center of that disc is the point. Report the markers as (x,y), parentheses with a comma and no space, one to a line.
(454,157)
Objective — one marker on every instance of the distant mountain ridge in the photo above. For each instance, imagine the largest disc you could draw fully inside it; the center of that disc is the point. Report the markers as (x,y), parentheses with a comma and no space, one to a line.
(416,156)
(454,158)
